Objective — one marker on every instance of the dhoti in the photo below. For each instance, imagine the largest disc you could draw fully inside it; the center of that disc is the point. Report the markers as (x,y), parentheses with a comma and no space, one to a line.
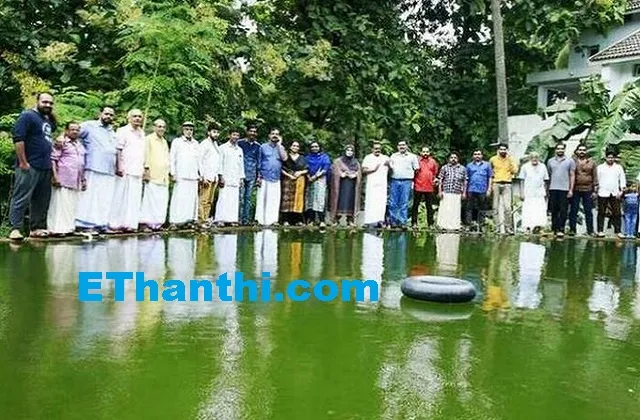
(268,203)
(125,207)
(228,205)
(534,212)
(62,210)
(155,201)
(449,211)
(94,203)
(375,205)
(184,202)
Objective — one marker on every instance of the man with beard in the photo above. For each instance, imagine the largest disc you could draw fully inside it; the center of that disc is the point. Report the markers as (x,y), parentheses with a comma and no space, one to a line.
(504,169)
(32,138)
(185,172)
(125,208)
(562,172)
(585,187)
(272,155)
(209,157)
(99,141)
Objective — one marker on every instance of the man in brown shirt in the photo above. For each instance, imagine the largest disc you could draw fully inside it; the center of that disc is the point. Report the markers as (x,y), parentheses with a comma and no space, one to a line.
(584,189)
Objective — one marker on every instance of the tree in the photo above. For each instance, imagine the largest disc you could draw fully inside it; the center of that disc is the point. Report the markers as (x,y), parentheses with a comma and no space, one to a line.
(501,76)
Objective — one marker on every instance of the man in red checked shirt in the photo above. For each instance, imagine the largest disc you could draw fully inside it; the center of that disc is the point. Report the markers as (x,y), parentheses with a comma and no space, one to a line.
(424,186)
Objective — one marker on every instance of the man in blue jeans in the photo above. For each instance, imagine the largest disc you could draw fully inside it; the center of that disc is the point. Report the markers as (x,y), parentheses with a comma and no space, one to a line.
(403,165)
(252,156)
(584,190)
(33,139)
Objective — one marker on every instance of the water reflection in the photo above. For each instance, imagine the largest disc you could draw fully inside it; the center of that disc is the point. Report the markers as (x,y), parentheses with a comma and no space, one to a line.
(565,306)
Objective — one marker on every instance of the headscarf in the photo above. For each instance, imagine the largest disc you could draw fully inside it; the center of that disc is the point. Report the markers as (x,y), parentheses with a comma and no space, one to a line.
(318,161)
(350,162)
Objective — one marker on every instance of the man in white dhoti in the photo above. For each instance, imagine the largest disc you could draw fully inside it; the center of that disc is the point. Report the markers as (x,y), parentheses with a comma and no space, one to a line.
(155,199)
(99,141)
(210,168)
(229,180)
(185,172)
(534,205)
(272,155)
(125,205)
(375,168)
(67,159)
(452,189)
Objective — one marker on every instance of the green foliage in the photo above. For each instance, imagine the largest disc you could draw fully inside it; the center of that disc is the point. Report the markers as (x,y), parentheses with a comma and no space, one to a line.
(333,70)
(608,120)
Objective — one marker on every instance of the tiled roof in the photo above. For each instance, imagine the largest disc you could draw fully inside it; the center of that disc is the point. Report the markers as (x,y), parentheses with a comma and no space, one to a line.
(626,47)
(633,5)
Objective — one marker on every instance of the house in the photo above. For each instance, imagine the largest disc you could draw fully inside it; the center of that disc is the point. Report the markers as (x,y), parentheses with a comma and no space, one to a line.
(615,56)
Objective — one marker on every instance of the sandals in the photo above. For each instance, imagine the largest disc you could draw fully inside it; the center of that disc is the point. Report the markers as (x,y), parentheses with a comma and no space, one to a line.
(39,233)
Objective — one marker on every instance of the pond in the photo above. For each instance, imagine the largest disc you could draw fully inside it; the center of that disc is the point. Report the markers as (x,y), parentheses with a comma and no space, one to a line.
(553,333)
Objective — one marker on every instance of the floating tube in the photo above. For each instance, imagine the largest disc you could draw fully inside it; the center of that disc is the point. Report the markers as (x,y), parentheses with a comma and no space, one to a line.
(438,289)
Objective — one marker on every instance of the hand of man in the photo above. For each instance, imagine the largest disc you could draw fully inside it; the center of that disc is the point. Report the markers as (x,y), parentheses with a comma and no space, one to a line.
(570,194)
(146,177)
(441,195)
(55,182)
(24,166)
(221,182)
(172,178)
(343,175)
(258,183)
(119,172)
(83,184)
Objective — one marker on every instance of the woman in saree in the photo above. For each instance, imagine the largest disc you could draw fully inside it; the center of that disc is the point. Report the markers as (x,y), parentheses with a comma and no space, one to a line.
(319,167)
(345,186)
(294,171)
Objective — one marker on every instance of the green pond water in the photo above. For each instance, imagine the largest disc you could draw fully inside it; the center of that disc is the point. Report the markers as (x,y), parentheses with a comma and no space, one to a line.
(553,334)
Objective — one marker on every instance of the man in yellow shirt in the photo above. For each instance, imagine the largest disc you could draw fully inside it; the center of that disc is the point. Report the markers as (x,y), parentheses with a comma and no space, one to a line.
(504,169)
(155,199)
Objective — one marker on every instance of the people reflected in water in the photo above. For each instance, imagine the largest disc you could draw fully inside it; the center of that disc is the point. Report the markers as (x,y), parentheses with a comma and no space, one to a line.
(372,266)
(531,260)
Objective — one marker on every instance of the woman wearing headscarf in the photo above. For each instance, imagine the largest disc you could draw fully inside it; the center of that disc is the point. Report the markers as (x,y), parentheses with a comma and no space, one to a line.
(345,186)
(294,170)
(319,166)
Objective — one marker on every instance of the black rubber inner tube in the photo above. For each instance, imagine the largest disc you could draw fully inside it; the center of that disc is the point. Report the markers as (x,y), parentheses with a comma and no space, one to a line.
(438,289)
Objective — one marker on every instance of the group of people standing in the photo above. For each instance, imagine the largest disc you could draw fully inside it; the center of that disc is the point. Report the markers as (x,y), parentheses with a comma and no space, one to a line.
(95,178)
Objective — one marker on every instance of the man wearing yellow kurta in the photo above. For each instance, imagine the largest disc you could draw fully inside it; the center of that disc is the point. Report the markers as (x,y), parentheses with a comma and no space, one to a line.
(504,168)
(155,200)
(209,162)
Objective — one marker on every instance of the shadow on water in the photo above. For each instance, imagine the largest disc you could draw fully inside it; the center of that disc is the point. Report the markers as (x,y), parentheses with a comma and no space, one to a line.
(553,331)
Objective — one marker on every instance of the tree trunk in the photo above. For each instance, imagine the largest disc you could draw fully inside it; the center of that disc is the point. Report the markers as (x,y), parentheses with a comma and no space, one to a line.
(501,73)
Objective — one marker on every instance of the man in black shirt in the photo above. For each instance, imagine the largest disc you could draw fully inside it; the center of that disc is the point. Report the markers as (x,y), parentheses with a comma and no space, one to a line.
(33,139)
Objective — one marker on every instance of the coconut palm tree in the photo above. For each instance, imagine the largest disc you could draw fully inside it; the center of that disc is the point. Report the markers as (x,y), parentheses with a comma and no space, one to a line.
(501,73)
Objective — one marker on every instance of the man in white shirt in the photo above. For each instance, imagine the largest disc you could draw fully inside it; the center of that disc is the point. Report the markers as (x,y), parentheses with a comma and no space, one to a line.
(209,158)
(127,196)
(375,168)
(185,172)
(231,175)
(403,165)
(611,184)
